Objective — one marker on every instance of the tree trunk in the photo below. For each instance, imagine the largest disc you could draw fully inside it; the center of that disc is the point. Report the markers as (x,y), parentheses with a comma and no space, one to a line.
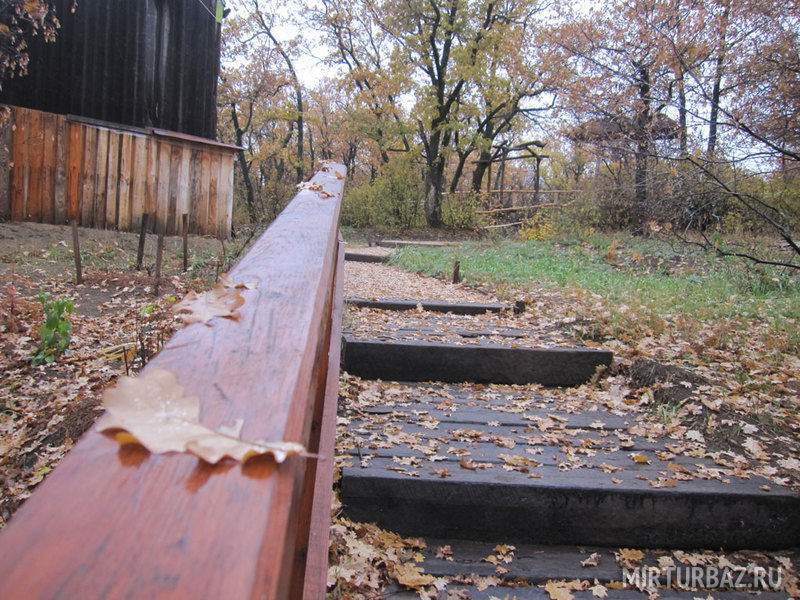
(244,166)
(716,92)
(480,170)
(434,184)
(682,129)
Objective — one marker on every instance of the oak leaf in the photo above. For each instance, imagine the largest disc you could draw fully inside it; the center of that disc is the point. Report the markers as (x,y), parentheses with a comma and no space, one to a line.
(410,575)
(152,410)
(219,301)
(559,590)
(628,557)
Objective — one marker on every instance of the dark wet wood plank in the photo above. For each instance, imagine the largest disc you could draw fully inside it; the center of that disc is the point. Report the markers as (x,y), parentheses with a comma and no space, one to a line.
(364,257)
(458,308)
(581,506)
(414,244)
(537,593)
(426,361)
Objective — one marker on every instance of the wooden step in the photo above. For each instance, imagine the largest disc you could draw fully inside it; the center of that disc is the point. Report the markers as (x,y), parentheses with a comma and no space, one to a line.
(538,593)
(364,257)
(414,244)
(480,363)
(457,308)
(535,565)
(538,474)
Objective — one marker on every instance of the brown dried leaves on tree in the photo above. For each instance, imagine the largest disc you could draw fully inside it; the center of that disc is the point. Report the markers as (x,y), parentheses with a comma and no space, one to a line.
(152,410)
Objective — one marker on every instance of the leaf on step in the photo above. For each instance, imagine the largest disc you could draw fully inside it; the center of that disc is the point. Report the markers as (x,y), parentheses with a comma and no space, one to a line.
(468,463)
(561,590)
(410,575)
(599,591)
(219,301)
(151,410)
(628,557)
(592,561)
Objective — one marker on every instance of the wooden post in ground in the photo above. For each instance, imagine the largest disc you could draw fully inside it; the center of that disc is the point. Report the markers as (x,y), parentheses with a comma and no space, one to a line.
(76,250)
(159,256)
(457,272)
(185,227)
(142,236)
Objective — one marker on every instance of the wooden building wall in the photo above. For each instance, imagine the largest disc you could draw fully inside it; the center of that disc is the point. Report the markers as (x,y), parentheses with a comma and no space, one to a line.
(54,169)
(145,63)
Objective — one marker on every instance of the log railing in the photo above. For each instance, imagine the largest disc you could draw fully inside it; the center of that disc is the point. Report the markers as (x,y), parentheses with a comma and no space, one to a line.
(114,521)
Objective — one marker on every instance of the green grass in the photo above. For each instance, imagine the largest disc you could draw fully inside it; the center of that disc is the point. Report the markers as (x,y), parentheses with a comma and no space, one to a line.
(647,272)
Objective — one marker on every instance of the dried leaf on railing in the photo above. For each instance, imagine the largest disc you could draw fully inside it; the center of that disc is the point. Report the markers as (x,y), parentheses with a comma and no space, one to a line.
(314,187)
(219,301)
(227,281)
(151,410)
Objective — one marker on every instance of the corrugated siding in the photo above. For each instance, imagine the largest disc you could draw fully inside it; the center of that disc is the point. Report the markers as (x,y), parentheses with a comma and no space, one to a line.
(53,170)
(145,63)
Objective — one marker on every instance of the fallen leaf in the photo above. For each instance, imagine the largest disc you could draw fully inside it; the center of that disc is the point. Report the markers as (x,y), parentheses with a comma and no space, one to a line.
(152,411)
(640,459)
(227,281)
(628,557)
(468,463)
(410,575)
(219,301)
(592,561)
(599,591)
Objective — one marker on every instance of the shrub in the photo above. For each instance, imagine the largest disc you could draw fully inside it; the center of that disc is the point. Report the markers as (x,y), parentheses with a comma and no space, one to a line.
(54,333)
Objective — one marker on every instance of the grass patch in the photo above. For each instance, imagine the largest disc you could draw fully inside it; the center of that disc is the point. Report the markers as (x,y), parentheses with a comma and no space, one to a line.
(643,282)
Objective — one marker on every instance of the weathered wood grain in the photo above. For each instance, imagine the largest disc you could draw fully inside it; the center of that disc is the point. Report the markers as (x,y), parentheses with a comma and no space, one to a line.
(6,140)
(213,189)
(125,181)
(151,190)
(182,204)
(162,193)
(114,522)
(60,192)
(139,180)
(54,167)
(89,183)
(19,159)
(205,186)
(195,190)
(74,170)
(49,129)
(112,181)
(172,218)
(101,178)
(33,210)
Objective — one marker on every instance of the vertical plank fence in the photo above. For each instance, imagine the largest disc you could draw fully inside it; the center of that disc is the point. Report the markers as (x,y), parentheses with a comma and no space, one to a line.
(55,168)
(118,522)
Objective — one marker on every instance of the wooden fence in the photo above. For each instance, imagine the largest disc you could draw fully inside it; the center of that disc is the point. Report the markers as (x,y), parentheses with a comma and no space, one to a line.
(56,168)
(113,521)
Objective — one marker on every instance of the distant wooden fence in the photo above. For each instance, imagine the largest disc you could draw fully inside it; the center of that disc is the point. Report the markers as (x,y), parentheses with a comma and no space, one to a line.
(56,168)
(117,522)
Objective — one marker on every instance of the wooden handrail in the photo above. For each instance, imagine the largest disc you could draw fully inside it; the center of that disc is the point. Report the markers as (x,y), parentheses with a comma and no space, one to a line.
(114,521)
